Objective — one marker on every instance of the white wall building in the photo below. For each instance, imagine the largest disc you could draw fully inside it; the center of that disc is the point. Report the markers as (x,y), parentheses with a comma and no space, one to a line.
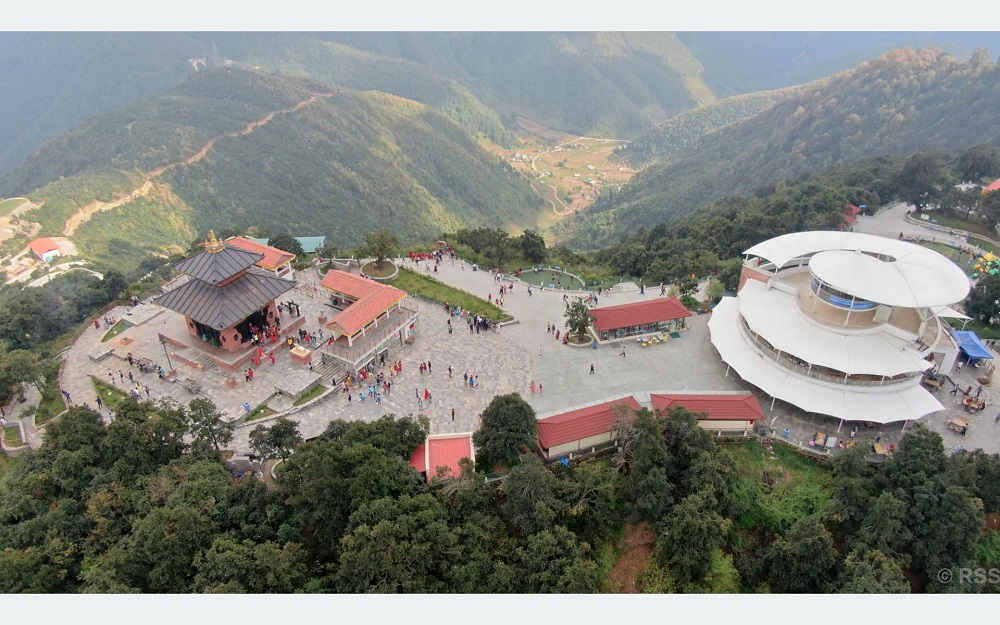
(842,323)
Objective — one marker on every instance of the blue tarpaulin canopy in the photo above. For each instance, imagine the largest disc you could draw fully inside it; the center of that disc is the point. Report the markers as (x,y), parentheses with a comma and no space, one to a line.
(972,345)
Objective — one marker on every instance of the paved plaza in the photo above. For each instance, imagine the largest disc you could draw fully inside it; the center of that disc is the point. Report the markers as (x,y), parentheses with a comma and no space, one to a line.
(504,361)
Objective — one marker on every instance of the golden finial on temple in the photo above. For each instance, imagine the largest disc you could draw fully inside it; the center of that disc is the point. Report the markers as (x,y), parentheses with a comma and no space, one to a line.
(214,245)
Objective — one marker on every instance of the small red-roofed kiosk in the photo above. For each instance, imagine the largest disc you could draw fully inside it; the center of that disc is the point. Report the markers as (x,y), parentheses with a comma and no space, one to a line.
(441,455)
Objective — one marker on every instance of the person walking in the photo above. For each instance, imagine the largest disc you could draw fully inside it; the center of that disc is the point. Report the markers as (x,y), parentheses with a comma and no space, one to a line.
(623,352)
(449,371)
(591,368)
(100,403)
(532,387)
(452,414)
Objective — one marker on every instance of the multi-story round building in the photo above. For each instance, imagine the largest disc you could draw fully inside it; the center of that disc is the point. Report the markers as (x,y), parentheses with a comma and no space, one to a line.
(842,323)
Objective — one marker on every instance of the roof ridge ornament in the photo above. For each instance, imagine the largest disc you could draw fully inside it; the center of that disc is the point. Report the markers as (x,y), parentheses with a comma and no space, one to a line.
(214,245)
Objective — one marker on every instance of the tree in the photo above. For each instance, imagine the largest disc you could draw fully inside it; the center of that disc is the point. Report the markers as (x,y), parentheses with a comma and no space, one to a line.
(989,208)
(207,425)
(245,566)
(287,243)
(983,303)
(872,572)
(530,501)
(961,200)
(922,180)
(802,560)
(328,249)
(397,545)
(20,368)
(277,441)
(646,485)
(397,436)
(508,426)
(977,162)
(553,561)
(498,246)
(578,318)
(689,535)
(532,246)
(113,284)
(380,244)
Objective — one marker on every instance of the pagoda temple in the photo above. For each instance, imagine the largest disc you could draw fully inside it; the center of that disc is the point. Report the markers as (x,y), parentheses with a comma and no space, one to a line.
(227,293)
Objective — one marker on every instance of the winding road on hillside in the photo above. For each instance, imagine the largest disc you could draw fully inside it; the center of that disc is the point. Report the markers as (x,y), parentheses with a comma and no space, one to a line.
(84,214)
(555,191)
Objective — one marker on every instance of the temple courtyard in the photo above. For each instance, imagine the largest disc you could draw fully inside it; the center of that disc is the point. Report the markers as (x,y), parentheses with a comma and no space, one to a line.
(505,361)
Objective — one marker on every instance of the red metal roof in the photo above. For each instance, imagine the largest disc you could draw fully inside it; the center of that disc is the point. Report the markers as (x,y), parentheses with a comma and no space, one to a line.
(718,405)
(581,423)
(993,186)
(273,257)
(43,245)
(443,451)
(851,214)
(638,313)
(373,299)
(419,458)
(446,452)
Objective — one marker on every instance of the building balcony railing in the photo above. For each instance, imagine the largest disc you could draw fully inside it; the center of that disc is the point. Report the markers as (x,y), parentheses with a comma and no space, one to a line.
(819,372)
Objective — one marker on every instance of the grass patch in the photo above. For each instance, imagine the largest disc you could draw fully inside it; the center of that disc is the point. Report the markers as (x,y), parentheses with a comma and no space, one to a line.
(437,291)
(312,393)
(110,395)
(10,204)
(371,269)
(12,436)
(951,220)
(260,412)
(801,486)
(115,330)
(52,402)
(7,465)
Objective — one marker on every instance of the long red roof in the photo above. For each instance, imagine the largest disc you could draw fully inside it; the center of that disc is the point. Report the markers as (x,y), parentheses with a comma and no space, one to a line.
(638,313)
(717,405)
(993,186)
(373,299)
(580,423)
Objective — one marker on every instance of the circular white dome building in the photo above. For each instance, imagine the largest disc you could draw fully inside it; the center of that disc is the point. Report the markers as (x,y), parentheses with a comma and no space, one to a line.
(842,323)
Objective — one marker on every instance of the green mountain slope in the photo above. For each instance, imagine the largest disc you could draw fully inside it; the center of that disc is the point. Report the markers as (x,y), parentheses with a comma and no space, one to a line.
(230,148)
(904,102)
(682,132)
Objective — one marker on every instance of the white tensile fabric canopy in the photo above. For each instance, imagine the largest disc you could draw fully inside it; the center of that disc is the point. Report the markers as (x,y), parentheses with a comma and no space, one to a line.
(773,314)
(916,277)
(879,404)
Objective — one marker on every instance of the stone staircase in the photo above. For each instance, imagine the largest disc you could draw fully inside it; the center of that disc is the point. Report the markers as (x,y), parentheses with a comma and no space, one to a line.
(327,372)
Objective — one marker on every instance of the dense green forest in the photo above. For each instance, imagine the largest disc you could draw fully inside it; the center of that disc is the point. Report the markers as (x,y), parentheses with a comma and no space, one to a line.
(130,507)
(901,103)
(681,132)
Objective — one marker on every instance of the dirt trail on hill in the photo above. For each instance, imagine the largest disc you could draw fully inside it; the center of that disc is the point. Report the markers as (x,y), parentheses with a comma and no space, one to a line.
(84,214)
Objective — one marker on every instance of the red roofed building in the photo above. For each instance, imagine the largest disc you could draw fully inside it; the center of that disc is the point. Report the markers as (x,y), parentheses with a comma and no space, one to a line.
(581,430)
(440,454)
(368,316)
(654,315)
(850,216)
(993,186)
(45,249)
(723,411)
(278,261)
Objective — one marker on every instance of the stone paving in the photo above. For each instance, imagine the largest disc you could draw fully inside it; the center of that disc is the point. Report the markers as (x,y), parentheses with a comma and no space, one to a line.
(505,361)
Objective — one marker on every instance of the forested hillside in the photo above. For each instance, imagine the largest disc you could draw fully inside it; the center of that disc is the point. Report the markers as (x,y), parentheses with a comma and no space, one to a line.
(232,148)
(904,102)
(681,132)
